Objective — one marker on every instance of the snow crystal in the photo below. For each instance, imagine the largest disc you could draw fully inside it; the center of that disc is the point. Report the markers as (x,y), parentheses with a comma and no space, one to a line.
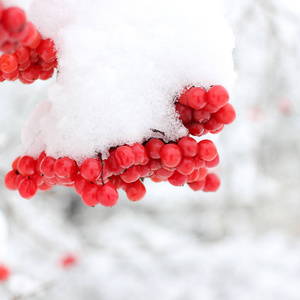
(121,65)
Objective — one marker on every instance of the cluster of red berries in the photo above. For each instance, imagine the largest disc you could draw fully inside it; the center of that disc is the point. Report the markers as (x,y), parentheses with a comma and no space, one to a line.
(97,180)
(28,56)
(204,111)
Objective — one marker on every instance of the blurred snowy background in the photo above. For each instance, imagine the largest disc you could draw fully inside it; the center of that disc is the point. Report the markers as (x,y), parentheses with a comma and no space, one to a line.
(242,242)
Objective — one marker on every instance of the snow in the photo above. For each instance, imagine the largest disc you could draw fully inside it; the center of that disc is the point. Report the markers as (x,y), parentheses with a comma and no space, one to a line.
(121,65)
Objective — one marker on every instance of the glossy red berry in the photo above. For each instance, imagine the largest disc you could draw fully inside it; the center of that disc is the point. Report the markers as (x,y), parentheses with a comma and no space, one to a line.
(47,166)
(27,188)
(79,184)
(136,191)
(196,129)
(188,146)
(10,180)
(186,166)
(107,195)
(177,179)
(185,112)
(8,63)
(90,169)
(171,155)
(226,114)
(212,183)
(26,165)
(213,163)
(46,50)
(124,157)
(213,124)
(197,98)
(65,167)
(23,54)
(217,96)
(139,152)
(163,173)
(32,73)
(201,116)
(153,147)
(13,19)
(33,37)
(197,185)
(207,150)
(132,174)
(89,194)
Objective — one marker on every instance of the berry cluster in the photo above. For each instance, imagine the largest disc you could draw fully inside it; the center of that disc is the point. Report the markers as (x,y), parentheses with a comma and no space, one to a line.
(204,111)
(97,180)
(28,56)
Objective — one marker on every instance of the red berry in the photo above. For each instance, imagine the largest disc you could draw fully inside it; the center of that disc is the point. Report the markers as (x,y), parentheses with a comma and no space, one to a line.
(65,167)
(171,155)
(4,273)
(188,146)
(13,19)
(26,165)
(139,152)
(197,185)
(213,163)
(46,50)
(153,147)
(197,98)
(9,46)
(199,163)
(201,116)
(132,174)
(113,166)
(185,112)
(11,76)
(68,260)
(207,150)
(47,66)
(196,129)
(8,63)
(10,180)
(177,179)
(210,108)
(33,37)
(202,172)
(90,169)
(135,191)
(24,66)
(44,187)
(183,99)
(89,194)
(193,176)
(23,54)
(47,166)
(154,178)
(108,195)
(80,183)
(218,130)
(186,166)
(163,173)
(212,124)
(27,188)
(212,183)
(14,165)
(32,73)
(124,157)
(217,96)
(145,171)
(226,114)
(45,75)
(37,178)
(154,164)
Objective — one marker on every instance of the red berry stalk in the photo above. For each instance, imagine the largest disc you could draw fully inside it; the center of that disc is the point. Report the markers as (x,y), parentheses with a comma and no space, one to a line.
(27,56)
